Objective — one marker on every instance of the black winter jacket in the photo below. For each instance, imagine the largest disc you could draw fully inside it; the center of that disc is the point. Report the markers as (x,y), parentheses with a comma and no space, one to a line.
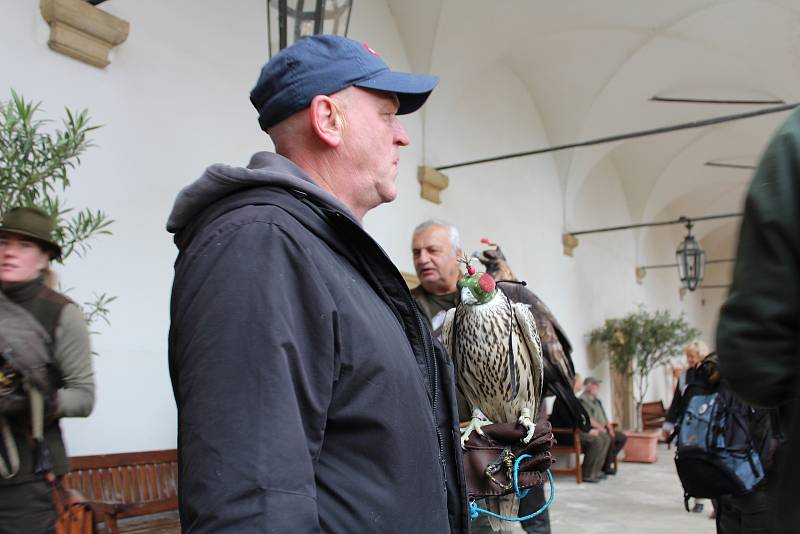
(310,395)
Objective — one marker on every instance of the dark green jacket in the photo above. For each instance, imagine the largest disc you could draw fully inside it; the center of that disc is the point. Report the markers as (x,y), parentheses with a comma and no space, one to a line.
(757,337)
(429,306)
(594,408)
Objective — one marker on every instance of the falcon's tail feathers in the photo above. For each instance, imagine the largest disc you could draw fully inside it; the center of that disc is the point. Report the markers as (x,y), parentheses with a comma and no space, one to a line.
(507,506)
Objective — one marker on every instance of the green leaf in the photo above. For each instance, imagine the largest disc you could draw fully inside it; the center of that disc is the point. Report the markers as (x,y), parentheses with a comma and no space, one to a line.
(36,164)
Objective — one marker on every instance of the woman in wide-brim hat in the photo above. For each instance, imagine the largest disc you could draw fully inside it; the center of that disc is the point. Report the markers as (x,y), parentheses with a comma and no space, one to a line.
(26,249)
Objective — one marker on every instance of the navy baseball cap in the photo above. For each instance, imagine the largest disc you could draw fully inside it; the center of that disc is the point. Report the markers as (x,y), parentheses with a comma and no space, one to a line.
(323,65)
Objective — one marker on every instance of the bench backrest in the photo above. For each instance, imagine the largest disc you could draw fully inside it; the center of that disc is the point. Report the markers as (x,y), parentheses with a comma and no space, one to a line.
(653,414)
(148,480)
(655,408)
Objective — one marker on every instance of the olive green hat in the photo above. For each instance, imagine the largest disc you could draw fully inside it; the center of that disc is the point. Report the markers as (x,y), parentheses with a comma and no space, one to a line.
(32,222)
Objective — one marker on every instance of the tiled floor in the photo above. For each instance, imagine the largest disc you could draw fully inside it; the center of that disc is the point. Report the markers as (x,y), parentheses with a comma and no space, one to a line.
(640,499)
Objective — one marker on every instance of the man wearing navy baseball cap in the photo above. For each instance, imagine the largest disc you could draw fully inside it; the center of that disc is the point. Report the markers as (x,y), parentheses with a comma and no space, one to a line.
(310,394)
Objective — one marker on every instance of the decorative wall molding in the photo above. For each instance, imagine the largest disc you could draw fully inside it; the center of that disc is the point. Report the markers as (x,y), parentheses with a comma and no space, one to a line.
(641,272)
(570,242)
(432,183)
(83,31)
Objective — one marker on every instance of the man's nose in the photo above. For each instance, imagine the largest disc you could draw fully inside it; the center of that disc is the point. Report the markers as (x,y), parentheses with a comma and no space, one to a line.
(400,135)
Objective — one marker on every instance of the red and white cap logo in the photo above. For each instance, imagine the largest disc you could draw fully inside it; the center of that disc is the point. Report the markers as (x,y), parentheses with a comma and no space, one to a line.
(370,50)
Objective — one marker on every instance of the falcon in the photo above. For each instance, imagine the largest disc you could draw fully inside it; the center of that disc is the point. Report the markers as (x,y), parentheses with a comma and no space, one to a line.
(498,357)
(556,347)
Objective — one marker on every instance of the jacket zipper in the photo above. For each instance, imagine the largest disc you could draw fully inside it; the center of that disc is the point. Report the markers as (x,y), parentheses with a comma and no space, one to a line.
(430,357)
(433,374)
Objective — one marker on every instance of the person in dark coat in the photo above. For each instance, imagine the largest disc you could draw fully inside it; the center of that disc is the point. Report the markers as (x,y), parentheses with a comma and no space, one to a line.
(757,335)
(311,396)
(695,352)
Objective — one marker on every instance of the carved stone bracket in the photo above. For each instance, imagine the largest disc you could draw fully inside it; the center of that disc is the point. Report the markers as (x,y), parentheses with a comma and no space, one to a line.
(570,242)
(641,272)
(432,182)
(83,31)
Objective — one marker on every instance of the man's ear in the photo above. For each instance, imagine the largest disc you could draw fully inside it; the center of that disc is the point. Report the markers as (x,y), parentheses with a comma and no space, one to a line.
(326,120)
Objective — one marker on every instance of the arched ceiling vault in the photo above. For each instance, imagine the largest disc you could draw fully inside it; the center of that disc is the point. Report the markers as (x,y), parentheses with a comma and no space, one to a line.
(591,68)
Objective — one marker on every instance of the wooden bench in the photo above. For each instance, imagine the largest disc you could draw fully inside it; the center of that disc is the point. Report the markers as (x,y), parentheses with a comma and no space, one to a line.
(574,448)
(141,485)
(653,415)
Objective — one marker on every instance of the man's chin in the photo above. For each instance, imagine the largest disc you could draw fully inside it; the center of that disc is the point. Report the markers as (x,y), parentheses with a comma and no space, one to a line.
(428,277)
(389,195)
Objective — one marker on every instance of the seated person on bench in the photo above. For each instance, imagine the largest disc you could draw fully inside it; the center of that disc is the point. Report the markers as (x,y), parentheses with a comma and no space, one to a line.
(602,443)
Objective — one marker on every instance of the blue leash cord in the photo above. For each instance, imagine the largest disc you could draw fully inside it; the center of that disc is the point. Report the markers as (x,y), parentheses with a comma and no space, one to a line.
(474,509)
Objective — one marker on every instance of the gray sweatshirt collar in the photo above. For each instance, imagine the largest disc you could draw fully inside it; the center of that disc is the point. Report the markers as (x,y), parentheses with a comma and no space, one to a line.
(220,180)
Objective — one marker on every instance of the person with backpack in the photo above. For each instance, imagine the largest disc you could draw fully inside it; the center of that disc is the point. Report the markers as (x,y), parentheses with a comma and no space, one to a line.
(724,447)
(757,335)
(45,372)
(695,351)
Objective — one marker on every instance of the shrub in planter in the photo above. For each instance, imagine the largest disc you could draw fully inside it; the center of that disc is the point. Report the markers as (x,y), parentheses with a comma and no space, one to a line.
(640,342)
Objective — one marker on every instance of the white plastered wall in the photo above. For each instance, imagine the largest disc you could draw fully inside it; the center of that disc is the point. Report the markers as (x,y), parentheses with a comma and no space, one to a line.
(175,99)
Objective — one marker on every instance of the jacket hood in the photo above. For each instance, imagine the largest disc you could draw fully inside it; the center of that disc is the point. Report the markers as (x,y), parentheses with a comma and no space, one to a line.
(265,169)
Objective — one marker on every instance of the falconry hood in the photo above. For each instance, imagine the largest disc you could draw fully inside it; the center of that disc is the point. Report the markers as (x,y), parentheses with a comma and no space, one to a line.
(476,288)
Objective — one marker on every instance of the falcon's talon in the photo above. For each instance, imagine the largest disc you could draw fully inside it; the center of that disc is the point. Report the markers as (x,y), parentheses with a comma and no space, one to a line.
(526,421)
(475,424)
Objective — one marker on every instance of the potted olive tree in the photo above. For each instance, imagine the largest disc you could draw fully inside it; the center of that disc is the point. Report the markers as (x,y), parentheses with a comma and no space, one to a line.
(637,344)
(35,161)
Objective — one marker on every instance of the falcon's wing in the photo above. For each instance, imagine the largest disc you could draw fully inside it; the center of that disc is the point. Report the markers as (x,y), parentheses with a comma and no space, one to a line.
(555,345)
(447,341)
(531,338)
(541,309)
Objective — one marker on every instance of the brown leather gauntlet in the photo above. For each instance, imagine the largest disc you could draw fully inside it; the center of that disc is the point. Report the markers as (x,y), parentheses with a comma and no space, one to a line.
(489,460)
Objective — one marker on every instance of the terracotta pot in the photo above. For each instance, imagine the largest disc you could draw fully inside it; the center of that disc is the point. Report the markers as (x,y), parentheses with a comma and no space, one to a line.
(641,446)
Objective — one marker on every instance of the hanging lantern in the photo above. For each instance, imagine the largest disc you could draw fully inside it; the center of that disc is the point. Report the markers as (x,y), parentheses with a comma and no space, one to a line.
(289,21)
(691,260)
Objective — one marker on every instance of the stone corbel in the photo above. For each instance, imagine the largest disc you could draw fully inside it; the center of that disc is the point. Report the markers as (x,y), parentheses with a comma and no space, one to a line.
(570,242)
(640,274)
(82,31)
(432,183)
